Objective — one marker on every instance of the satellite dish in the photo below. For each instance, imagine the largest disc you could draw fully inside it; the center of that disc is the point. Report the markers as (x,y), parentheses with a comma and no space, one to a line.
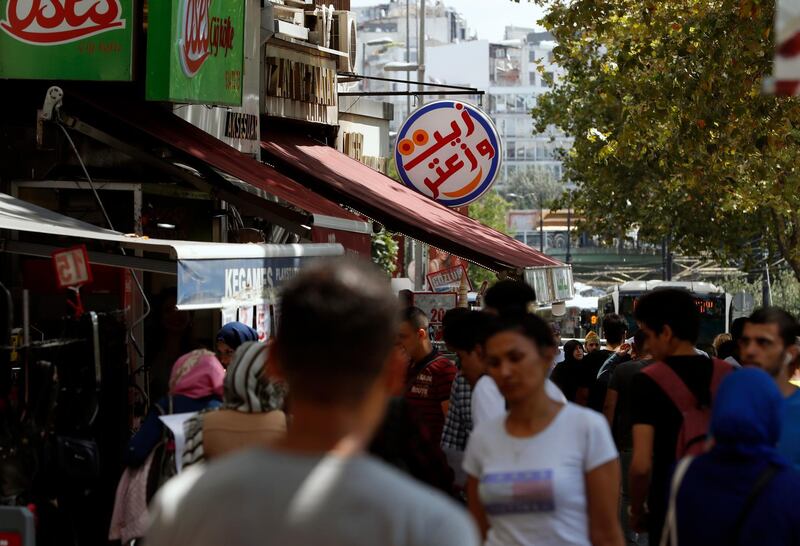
(559,309)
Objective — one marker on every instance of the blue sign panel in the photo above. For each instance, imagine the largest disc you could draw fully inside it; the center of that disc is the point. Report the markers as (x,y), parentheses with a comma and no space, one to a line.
(215,284)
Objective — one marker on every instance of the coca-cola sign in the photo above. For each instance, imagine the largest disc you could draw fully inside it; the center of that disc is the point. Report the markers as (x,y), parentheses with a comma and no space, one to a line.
(66,39)
(54,22)
(202,36)
(194,48)
(189,38)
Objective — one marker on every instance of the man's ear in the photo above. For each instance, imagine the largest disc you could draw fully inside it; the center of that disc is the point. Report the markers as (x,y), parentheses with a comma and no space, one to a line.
(276,369)
(666,330)
(479,351)
(794,351)
(422,333)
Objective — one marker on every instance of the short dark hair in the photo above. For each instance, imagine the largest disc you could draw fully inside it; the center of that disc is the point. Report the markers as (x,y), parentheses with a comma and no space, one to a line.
(510,297)
(468,330)
(416,317)
(529,325)
(728,348)
(737,328)
(787,325)
(614,328)
(671,307)
(338,325)
(639,340)
(449,320)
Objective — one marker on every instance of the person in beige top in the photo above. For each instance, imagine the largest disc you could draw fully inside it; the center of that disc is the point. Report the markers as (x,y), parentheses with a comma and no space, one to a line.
(251,415)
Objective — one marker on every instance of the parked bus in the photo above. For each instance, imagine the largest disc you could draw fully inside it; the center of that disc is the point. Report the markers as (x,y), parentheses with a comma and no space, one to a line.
(712,301)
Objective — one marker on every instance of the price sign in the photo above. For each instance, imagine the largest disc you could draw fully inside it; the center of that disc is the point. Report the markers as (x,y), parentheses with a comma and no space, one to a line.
(435,305)
(72,267)
(448,280)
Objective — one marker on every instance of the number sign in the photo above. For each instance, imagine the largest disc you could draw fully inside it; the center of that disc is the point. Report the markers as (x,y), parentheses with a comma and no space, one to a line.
(72,267)
(435,305)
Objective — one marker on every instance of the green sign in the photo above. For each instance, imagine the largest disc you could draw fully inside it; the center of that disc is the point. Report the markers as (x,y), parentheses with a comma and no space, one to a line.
(66,40)
(195,51)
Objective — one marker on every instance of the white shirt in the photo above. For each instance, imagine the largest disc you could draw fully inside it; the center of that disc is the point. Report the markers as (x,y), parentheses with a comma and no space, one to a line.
(533,489)
(488,402)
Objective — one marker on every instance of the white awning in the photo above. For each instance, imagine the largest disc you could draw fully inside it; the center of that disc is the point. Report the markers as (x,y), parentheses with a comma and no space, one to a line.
(210,275)
(19,215)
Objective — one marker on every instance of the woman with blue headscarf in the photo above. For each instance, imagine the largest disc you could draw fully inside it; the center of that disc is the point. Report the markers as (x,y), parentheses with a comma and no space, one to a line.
(230,337)
(742,492)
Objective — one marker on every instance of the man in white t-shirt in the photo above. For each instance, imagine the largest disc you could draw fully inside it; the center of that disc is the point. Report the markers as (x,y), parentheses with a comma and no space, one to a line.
(466,338)
(316,487)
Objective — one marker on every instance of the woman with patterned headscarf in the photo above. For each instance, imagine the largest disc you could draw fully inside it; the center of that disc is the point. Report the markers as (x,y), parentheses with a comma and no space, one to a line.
(251,415)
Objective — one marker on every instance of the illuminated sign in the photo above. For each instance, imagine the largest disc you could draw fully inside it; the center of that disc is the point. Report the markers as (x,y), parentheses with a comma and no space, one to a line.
(448,151)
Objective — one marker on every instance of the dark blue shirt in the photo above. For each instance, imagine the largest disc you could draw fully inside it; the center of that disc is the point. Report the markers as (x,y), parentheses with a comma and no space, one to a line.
(713,494)
(149,435)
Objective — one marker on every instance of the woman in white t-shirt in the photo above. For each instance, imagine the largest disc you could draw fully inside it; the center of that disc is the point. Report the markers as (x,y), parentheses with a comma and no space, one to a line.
(546,474)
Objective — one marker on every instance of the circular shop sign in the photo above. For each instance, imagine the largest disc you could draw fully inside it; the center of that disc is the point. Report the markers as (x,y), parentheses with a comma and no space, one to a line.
(449,151)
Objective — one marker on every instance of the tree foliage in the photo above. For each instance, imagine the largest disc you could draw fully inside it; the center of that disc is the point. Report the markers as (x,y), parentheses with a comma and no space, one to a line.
(672,132)
(491,210)
(525,187)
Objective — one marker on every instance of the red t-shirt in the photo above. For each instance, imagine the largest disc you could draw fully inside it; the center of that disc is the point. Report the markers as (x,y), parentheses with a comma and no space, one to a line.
(428,389)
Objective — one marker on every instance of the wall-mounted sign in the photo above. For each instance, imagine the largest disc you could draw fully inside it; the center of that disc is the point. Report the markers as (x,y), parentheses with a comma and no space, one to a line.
(72,267)
(448,151)
(300,85)
(786,66)
(448,280)
(195,51)
(435,305)
(66,39)
(551,284)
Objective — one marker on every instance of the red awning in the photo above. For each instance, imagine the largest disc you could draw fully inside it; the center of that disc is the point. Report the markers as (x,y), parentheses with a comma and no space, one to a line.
(174,132)
(345,180)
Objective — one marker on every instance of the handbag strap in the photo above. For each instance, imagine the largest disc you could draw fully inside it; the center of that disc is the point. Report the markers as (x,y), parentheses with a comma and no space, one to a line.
(763,480)
(669,537)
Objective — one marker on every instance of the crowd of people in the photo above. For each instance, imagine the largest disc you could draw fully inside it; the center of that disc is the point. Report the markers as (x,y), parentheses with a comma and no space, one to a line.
(350,427)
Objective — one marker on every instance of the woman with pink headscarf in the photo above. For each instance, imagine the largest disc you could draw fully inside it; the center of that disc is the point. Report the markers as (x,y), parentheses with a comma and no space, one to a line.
(194,385)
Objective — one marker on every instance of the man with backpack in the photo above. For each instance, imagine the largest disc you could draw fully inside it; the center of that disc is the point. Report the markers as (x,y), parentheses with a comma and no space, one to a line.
(671,402)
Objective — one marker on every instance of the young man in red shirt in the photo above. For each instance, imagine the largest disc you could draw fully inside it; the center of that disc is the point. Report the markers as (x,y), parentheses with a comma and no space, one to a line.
(430,374)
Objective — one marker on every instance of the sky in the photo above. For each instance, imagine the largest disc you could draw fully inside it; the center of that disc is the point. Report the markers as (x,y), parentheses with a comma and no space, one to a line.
(486,17)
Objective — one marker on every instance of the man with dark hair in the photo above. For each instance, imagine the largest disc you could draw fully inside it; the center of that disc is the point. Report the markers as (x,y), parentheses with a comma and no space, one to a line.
(769,341)
(458,422)
(589,393)
(430,375)
(337,329)
(513,299)
(509,297)
(670,322)
(617,410)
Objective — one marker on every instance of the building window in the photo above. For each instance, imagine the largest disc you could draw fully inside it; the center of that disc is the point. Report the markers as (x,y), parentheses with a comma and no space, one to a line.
(511,150)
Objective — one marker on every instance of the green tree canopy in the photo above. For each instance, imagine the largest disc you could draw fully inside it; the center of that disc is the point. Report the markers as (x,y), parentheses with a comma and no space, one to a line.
(526,186)
(672,132)
(490,210)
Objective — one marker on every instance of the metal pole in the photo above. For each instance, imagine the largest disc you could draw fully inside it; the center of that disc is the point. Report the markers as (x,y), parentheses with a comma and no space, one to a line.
(541,223)
(669,257)
(569,233)
(408,57)
(420,254)
(364,65)
(664,259)
(421,47)
(766,286)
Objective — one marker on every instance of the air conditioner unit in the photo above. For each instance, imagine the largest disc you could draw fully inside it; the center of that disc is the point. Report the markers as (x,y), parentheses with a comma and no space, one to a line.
(344,39)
